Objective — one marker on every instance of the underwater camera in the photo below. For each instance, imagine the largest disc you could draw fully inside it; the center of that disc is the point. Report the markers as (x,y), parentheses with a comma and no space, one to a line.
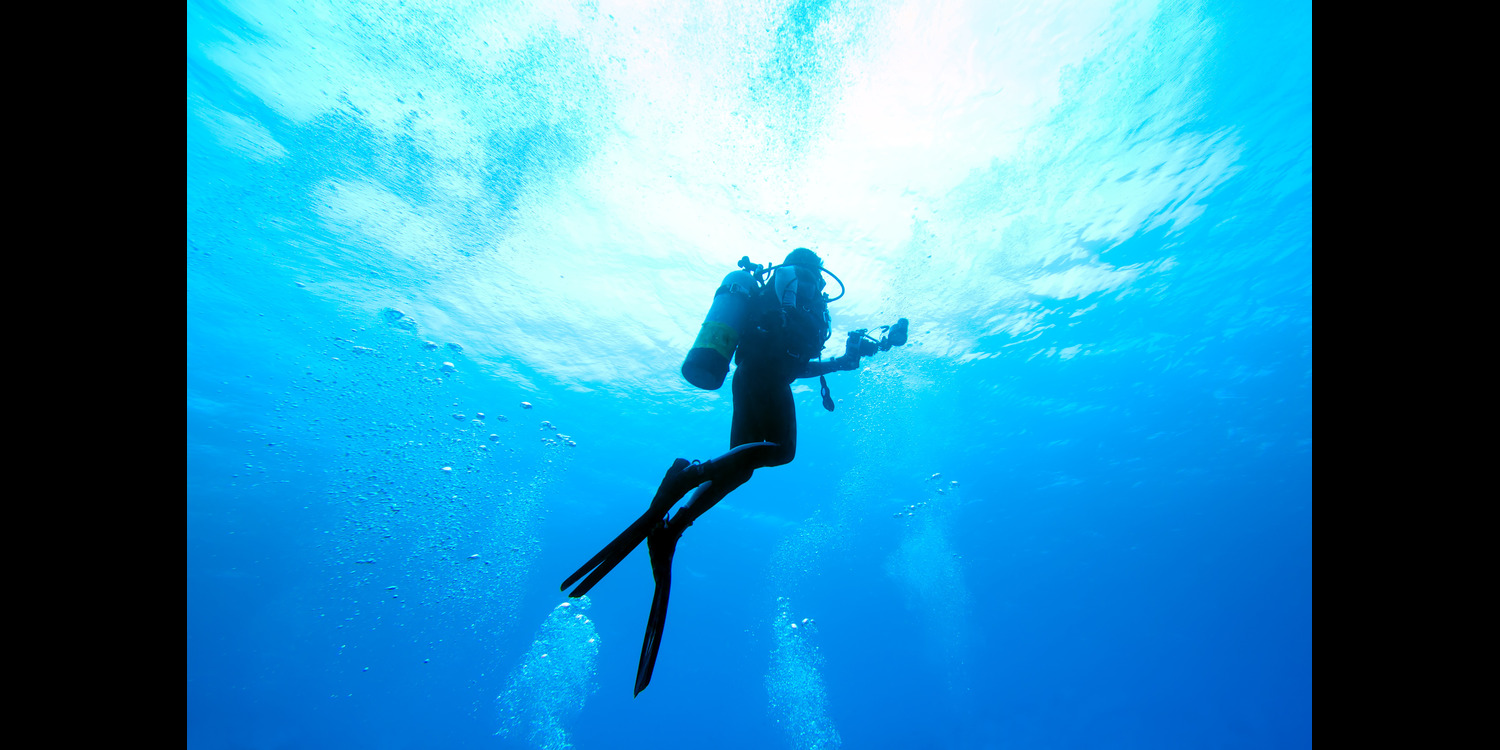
(892,335)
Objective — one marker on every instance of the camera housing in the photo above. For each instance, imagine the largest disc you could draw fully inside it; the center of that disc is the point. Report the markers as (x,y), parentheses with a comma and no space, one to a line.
(865,345)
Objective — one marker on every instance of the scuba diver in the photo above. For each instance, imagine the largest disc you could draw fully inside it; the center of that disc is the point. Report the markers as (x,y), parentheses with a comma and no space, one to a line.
(775,328)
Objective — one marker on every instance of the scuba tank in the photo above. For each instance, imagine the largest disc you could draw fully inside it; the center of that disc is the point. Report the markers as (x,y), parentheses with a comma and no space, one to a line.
(708,361)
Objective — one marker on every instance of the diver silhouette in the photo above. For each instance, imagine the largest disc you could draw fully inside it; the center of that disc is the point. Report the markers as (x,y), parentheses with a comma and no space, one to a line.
(774,322)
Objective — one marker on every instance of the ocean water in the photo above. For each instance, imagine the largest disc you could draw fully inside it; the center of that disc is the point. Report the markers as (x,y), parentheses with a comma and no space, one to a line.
(444,260)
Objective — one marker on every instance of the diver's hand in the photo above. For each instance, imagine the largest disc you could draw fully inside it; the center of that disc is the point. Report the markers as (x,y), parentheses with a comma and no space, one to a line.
(850,358)
(855,347)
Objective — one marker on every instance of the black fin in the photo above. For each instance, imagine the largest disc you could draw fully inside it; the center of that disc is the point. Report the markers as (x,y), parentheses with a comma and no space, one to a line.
(663,546)
(600,564)
(654,627)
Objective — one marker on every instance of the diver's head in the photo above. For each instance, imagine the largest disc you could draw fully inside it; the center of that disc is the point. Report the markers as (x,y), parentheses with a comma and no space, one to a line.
(807,266)
(803,257)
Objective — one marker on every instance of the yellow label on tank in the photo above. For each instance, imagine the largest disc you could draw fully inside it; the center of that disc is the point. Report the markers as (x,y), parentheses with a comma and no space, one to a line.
(718,337)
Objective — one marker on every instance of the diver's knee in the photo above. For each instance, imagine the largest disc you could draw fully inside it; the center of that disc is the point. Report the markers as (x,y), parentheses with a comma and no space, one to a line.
(728,474)
(739,478)
(782,456)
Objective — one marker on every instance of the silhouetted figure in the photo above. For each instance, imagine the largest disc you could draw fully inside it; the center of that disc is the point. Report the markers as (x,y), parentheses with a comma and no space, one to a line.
(775,329)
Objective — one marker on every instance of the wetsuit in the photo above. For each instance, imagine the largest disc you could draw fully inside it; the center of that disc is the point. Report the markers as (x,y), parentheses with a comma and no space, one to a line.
(773,353)
(764,428)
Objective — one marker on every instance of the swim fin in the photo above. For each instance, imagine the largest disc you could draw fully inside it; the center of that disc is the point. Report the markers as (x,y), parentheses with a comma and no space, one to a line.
(667,495)
(662,545)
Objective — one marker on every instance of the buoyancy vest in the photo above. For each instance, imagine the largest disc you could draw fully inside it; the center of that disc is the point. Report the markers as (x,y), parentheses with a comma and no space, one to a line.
(790,316)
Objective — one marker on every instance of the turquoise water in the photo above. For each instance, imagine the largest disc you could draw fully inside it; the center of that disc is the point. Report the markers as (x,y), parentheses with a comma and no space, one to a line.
(444,261)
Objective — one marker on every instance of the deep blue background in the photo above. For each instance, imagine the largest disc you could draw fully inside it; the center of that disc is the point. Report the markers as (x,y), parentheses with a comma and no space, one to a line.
(1134,530)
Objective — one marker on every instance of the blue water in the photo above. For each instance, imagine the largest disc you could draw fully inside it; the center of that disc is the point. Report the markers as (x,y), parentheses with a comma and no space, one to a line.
(1075,511)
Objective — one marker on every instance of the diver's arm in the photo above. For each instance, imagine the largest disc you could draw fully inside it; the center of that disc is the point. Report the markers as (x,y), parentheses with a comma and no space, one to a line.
(824,366)
(859,344)
(847,361)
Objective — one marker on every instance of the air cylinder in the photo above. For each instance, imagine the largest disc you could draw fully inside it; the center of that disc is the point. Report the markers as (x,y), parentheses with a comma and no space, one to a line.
(708,361)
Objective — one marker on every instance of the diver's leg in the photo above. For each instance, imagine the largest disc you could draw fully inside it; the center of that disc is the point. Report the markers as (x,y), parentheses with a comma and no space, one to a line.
(763,432)
(706,497)
(729,472)
(763,413)
(662,543)
(679,479)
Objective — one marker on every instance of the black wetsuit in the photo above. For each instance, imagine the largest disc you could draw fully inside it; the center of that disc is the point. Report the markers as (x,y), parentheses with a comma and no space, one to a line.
(764,428)
(763,406)
(776,350)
